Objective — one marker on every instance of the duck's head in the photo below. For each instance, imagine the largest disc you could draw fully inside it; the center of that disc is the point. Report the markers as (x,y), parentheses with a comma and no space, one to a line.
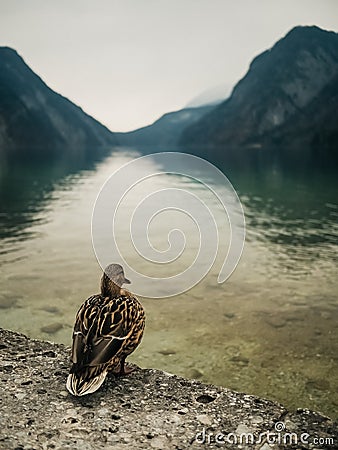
(116,273)
(112,279)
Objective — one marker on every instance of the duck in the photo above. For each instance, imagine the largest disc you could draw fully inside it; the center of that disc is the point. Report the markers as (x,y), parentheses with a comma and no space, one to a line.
(108,327)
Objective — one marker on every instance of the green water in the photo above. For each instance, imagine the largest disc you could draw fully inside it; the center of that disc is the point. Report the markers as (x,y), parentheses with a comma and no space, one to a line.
(270,330)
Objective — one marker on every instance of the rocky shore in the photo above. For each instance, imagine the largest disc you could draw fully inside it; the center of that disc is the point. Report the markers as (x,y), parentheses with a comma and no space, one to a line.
(148,409)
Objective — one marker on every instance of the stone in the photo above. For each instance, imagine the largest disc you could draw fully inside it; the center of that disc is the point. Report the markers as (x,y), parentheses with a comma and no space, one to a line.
(167,352)
(242,429)
(20,395)
(128,412)
(7,302)
(204,419)
(195,373)
(275,321)
(240,360)
(318,383)
(159,442)
(229,315)
(51,309)
(52,328)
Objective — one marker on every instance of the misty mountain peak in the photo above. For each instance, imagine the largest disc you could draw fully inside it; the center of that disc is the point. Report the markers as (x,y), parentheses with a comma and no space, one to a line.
(280,88)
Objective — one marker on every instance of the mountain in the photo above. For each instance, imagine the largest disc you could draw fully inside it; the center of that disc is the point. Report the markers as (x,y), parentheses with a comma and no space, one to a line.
(288,100)
(211,96)
(37,122)
(165,131)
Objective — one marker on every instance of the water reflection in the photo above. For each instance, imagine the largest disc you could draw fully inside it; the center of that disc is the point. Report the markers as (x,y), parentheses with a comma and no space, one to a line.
(146,213)
(28,189)
(25,190)
(271,329)
(294,213)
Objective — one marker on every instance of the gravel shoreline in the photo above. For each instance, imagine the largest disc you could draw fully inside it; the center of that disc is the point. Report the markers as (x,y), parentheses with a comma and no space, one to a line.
(148,409)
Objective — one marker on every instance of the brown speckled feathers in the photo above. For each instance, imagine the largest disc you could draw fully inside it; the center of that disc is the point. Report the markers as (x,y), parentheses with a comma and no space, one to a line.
(107,329)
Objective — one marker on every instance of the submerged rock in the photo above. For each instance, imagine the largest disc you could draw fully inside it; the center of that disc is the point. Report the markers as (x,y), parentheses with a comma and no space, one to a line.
(320,384)
(7,302)
(240,360)
(52,328)
(51,309)
(195,373)
(147,409)
(167,352)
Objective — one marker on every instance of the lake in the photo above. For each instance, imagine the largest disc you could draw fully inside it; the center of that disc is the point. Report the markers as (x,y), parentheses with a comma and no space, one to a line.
(270,329)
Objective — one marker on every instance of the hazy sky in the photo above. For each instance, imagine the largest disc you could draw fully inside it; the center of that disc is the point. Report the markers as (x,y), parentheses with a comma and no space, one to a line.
(126,62)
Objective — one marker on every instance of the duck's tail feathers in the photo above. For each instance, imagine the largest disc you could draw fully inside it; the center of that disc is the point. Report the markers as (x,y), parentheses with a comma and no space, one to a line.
(86,381)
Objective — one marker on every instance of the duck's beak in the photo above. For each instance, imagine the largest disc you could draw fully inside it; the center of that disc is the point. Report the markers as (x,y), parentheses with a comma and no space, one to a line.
(126,281)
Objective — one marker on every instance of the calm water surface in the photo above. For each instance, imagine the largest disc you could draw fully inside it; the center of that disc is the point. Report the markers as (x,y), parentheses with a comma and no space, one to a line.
(270,330)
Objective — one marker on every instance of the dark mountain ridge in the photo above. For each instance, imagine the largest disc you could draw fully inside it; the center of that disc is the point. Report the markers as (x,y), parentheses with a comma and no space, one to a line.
(287,103)
(36,121)
(288,99)
(166,131)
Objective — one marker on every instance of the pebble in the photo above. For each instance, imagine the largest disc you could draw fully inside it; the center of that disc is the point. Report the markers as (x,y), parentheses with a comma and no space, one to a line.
(325,315)
(320,384)
(290,426)
(241,360)
(7,302)
(256,420)
(159,442)
(103,412)
(51,309)
(276,322)
(52,328)
(20,395)
(195,373)
(242,429)
(204,419)
(265,447)
(167,352)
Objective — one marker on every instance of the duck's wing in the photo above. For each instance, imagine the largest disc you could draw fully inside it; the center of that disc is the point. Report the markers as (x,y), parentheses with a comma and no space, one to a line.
(101,328)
